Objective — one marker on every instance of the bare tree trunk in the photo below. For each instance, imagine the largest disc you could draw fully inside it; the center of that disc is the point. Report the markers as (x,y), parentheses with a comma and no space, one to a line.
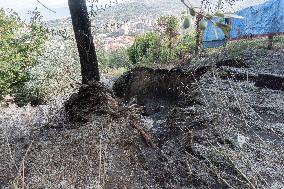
(198,35)
(270,42)
(86,48)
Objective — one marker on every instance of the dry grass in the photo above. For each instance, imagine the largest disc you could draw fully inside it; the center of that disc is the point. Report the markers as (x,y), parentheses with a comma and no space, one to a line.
(197,145)
(259,163)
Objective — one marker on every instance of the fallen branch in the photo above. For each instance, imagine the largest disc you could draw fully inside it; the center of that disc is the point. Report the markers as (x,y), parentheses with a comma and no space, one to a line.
(147,137)
(21,171)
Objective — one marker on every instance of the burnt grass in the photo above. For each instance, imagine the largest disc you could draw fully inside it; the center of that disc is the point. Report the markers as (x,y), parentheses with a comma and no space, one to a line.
(210,125)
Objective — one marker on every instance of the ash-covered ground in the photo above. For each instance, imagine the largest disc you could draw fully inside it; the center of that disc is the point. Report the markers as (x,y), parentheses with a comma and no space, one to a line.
(204,126)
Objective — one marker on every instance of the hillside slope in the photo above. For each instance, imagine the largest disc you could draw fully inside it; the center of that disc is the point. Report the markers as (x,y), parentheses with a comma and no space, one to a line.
(196,127)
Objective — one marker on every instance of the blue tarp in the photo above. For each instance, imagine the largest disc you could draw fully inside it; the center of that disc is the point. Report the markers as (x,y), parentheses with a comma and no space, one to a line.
(259,20)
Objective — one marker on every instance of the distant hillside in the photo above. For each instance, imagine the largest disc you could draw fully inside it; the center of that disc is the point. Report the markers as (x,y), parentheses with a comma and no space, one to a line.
(132,10)
(125,11)
(135,8)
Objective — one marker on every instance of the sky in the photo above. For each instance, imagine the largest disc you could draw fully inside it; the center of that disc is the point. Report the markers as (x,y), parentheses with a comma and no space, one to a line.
(59,6)
(19,5)
(30,4)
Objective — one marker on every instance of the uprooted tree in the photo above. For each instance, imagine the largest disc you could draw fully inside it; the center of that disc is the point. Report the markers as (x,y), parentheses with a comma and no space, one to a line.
(84,39)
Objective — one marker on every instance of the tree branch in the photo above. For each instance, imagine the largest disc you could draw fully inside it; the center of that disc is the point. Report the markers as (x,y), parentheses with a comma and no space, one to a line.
(45,6)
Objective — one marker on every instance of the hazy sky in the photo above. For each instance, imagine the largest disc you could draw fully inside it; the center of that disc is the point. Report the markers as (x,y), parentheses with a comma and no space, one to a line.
(31,4)
(61,7)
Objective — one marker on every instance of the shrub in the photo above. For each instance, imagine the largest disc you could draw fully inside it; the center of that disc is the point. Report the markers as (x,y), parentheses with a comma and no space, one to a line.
(119,59)
(56,73)
(162,46)
(20,44)
(145,49)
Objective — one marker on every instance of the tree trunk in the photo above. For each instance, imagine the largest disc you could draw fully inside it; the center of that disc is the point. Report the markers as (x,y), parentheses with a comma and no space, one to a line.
(270,42)
(198,35)
(84,39)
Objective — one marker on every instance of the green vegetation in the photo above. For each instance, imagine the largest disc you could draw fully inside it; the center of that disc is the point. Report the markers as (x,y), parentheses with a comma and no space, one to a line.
(186,23)
(113,60)
(20,45)
(164,45)
(144,49)
(57,71)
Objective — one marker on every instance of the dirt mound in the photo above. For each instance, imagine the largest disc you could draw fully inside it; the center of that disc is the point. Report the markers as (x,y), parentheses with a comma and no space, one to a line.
(146,84)
(157,89)
(91,99)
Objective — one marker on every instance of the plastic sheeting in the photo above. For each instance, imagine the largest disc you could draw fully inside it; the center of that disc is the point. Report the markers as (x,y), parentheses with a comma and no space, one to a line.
(259,21)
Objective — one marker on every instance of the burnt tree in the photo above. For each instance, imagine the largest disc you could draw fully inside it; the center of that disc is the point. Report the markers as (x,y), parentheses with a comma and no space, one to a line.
(84,39)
